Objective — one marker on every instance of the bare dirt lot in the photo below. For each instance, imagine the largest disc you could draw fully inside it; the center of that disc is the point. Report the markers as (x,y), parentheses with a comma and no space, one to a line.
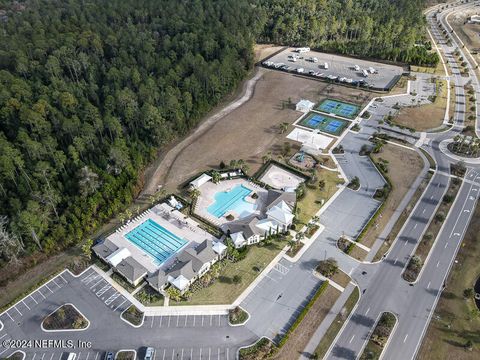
(403,168)
(302,334)
(262,51)
(253,129)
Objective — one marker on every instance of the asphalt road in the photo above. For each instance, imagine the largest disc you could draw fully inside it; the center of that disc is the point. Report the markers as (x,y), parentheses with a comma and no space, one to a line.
(384,289)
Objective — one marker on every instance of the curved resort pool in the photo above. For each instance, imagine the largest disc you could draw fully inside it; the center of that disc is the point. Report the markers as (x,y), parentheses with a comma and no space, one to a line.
(233,200)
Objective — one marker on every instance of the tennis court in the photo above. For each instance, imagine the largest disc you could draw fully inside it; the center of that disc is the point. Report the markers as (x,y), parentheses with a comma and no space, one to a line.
(339,108)
(324,123)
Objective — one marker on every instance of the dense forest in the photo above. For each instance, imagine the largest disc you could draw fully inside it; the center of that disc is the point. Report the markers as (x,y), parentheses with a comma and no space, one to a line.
(90,89)
(385,29)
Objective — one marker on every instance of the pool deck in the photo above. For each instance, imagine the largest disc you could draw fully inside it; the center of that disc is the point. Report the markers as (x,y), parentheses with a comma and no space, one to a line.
(207,198)
(174,221)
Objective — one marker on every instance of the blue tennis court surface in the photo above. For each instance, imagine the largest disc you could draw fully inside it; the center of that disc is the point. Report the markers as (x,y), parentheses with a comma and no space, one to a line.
(324,123)
(339,108)
(155,240)
(232,200)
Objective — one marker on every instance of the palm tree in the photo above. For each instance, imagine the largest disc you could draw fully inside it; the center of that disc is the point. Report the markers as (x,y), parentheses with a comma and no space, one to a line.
(283,127)
(215,177)
(300,236)
(195,193)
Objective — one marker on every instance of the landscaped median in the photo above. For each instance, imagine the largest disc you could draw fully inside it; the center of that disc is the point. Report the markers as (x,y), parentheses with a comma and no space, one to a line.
(379,337)
(133,316)
(417,261)
(297,337)
(65,318)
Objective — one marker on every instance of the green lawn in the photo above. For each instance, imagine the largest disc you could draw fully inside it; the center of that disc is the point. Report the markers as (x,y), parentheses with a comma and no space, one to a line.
(224,290)
(310,203)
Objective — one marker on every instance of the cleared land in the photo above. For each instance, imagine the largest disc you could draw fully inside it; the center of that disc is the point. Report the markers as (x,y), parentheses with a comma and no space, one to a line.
(404,166)
(224,290)
(262,51)
(455,321)
(300,337)
(253,129)
(428,116)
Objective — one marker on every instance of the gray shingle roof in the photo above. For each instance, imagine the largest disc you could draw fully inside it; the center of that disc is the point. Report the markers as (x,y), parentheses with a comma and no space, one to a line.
(131,269)
(105,249)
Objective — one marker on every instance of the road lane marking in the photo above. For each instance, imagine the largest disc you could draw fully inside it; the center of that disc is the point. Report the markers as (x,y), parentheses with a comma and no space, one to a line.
(351,339)
(406,336)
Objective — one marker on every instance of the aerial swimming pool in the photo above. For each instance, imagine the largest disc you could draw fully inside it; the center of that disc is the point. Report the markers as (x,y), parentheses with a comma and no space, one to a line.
(155,240)
(232,200)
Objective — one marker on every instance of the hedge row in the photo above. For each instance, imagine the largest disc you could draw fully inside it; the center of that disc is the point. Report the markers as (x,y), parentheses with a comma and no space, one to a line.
(303,313)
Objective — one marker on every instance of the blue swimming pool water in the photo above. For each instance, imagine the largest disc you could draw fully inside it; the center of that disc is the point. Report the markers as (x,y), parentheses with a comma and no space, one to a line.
(155,240)
(232,200)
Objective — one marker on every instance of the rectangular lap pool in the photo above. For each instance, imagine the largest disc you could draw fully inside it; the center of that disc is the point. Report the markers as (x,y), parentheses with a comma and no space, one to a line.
(233,200)
(338,108)
(155,240)
(324,123)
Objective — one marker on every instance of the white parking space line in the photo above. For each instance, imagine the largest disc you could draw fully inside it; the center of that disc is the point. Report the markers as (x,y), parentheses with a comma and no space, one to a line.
(18,311)
(227,353)
(48,288)
(181,358)
(51,357)
(120,305)
(438,263)
(428,285)
(151,325)
(53,280)
(6,312)
(218,352)
(211,319)
(41,293)
(351,339)
(31,297)
(28,307)
(1,337)
(209,353)
(43,355)
(112,298)
(406,336)
(366,312)
(95,284)
(88,354)
(169,317)
(185,325)
(164,350)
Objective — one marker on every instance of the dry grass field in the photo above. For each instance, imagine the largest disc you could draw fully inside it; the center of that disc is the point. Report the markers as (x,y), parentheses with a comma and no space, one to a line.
(300,337)
(425,117)
(404,167)
(252,130)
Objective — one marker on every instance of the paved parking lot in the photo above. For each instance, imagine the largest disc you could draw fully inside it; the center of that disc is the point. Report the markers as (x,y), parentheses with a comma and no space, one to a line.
(342,67)
(185,321)
(103,290)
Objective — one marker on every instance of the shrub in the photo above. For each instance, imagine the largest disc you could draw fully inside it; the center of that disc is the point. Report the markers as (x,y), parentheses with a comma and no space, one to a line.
(328,267)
